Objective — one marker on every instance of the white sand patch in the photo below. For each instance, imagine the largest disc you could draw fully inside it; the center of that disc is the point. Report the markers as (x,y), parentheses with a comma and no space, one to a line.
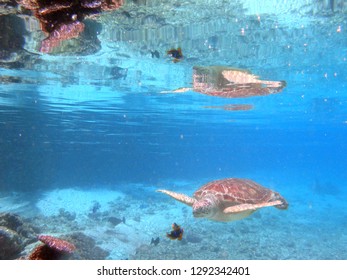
(75,200)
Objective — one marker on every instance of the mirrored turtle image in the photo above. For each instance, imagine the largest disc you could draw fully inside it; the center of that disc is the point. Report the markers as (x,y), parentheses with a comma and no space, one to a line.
(229,83)
(229,199)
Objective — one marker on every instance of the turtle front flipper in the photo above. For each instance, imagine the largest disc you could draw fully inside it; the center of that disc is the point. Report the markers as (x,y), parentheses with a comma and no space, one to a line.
(248,207)
(180,197)
(178,90)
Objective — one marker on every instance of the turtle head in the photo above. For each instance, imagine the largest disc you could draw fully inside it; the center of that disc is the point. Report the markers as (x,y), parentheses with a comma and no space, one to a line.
(204,208)
(284,205)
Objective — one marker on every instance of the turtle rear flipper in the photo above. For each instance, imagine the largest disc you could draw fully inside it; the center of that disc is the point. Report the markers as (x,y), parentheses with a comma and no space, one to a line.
(180,197)
(247,207)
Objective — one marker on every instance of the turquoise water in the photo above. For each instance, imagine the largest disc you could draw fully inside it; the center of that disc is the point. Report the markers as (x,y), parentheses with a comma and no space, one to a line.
(99,120)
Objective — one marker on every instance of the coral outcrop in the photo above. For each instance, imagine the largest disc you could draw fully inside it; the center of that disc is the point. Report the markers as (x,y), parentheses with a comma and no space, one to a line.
(57,244)
(53,249)
(15,234)
(62,19)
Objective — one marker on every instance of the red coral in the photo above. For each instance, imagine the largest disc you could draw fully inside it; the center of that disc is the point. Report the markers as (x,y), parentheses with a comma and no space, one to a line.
(61,33)
(62,19)
(57,244)
(29,4)
(52,249)
(108,5)
(43,252)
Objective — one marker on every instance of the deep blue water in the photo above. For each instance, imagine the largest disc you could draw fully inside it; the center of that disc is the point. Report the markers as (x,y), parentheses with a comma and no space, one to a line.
(146,138)
(101,119)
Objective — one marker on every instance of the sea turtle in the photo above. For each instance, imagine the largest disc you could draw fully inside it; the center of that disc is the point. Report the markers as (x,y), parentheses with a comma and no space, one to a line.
(229,82)
(229,199)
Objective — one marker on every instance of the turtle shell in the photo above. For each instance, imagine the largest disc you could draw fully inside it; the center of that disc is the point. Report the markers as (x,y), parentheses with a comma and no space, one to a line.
(232,82)
(234,191)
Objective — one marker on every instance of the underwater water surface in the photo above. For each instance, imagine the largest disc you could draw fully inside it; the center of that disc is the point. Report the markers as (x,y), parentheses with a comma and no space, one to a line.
(90,130)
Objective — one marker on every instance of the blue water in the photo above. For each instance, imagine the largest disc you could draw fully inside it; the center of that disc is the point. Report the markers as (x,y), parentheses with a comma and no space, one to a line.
(101,120)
